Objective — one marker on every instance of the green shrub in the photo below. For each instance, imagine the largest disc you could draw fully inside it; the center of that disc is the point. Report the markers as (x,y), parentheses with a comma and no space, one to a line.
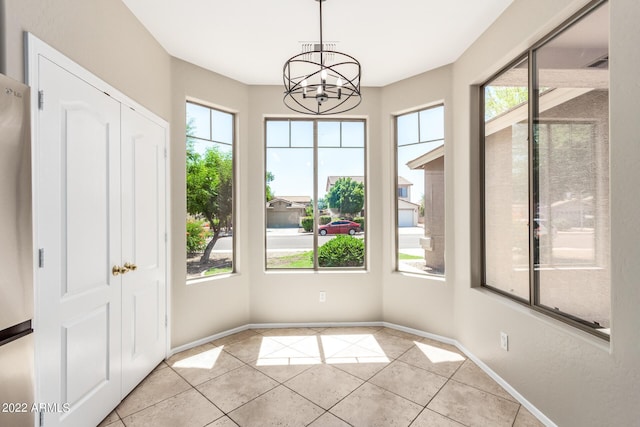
(325,219)
(342,251)
(359,220)
(307,223)
(196,236)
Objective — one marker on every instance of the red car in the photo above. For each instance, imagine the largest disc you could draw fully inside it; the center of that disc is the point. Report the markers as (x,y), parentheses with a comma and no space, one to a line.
(339,227)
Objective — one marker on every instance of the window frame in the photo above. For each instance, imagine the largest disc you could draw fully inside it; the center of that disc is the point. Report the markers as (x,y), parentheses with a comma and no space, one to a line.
(316,213)
(529,55)
(234,181)
(396,195)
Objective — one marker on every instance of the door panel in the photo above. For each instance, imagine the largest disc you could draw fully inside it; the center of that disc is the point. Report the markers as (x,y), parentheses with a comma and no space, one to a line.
(84,341)
(143,228)
(86,191)
(78,308)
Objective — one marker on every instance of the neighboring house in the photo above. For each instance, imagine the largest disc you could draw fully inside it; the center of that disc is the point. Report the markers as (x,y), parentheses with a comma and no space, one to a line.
(286,211)
(432,162)
(408,211)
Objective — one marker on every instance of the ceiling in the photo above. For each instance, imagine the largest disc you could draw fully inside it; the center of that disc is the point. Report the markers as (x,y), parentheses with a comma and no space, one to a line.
(250,40)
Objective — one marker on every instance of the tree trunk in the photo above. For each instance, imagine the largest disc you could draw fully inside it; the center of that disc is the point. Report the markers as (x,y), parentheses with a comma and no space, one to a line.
(210,245)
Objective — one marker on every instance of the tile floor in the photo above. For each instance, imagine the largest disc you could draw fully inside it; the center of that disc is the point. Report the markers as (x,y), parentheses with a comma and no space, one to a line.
(371,376)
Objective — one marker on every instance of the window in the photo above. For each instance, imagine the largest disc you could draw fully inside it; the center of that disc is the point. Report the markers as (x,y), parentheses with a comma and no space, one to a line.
(420,212)
(546,204)
(315,194)
(210,191)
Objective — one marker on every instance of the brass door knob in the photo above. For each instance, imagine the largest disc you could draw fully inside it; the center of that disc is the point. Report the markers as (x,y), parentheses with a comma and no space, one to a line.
(118,270)
(130,266)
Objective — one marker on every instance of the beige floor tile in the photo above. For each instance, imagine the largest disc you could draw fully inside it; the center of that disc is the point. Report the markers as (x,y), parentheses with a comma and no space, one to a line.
(329,420)
(441,345)
(433,359)
(158,386)
(223,422)
(236,388)
(372,406)
(324,385)
(279,407)
(364,370)
(290,332)
(188,409)
(207,363)
(401,334)
(473,407)
(428,418)
(351,330)
(161,365)
(117,423)
(109,419)
(230,339)
(289,350)
(251,349)
(352,349)
(392,345)
(526,419)
(414,384)
(193,353)
(470,374)
(282,373)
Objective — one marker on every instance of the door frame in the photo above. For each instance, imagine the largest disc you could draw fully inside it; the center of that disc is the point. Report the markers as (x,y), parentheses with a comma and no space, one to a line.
(35,48)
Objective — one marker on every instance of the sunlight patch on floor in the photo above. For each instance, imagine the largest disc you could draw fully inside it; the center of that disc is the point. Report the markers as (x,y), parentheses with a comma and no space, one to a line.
(205,360)
(438,355)
(313,350)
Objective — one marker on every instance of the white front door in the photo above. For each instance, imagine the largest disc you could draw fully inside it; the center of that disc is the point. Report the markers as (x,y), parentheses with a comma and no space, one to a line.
(78,306)
(143,247)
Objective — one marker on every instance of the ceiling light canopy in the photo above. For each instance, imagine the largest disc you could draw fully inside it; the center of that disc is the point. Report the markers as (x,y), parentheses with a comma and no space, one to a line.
(321,80)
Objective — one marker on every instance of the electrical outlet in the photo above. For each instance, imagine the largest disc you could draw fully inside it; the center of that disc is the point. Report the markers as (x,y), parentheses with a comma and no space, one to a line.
(504,341)
(323,296)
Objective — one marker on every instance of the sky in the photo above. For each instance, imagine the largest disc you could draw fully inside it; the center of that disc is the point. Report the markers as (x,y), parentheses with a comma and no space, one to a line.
(341,147)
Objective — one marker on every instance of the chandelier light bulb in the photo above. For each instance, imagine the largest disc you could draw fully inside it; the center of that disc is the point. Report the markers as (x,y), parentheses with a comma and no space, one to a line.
(339,82)
(323,76)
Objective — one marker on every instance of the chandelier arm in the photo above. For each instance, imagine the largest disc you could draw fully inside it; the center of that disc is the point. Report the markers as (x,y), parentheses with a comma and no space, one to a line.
(322,86)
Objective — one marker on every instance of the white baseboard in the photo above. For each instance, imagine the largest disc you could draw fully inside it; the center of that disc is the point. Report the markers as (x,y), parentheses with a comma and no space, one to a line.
(513,392)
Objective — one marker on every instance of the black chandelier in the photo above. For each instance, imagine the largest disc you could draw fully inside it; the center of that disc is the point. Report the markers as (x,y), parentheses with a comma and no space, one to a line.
(321,80)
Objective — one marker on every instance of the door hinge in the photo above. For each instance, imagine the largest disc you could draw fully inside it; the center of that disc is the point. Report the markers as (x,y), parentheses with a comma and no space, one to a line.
(41,258)
(165,237)
(41,418)
(165,152)
(166,320)
(40,100)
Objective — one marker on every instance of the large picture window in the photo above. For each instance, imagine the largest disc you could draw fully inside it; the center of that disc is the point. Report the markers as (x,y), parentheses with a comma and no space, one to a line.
(315,194)
(210,191)
(546,175)
(420,215)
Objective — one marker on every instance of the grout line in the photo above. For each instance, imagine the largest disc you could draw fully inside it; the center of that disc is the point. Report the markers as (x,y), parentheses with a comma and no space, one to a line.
(327,331)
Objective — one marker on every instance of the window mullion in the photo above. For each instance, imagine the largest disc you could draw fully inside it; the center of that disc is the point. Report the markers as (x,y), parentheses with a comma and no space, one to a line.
(316,214)
(532,154)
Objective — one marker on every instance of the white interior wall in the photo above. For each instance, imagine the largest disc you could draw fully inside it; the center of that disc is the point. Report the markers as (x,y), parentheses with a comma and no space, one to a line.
(416,301)
(102,36)
(207,307)
(572,377)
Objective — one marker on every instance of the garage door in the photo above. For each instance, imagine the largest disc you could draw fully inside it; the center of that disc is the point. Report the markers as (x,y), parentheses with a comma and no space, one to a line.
(405,218)
(287,219)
